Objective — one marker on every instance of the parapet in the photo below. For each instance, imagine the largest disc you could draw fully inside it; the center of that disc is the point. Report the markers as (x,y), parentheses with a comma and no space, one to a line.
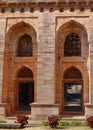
(45,1)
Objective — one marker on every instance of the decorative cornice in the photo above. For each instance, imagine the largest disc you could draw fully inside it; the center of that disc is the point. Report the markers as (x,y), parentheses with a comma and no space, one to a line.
(45,1)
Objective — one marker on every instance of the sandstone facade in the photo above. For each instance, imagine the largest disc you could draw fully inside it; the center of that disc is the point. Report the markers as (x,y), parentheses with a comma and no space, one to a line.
(48,23)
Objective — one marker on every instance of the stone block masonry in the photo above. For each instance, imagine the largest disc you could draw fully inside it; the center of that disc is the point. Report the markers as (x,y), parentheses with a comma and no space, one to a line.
(47,23)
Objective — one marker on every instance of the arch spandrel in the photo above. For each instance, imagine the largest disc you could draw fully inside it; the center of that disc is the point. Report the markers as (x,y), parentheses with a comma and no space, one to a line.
(19,29)
(71,26)
(78,67)
(24,72)
(72,72)
(28,22)
(20,69)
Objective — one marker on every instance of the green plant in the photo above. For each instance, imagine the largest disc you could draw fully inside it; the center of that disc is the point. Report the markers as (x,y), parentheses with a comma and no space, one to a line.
(44,122)
(3,121)
(72,123)
(76,123)
(64,123)
(53,121)
(84,123)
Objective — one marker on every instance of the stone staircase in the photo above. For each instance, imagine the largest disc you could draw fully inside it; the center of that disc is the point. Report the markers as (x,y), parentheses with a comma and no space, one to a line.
(77,115)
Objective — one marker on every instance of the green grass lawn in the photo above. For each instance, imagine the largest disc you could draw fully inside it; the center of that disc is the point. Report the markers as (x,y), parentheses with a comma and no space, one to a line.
(62,128)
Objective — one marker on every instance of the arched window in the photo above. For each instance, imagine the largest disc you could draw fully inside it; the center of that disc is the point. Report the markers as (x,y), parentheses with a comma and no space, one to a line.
(72,46)
(72,73)
(25,46)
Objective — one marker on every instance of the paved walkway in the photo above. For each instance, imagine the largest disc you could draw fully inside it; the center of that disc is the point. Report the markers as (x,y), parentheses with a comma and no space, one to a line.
(39,122)
(31,122)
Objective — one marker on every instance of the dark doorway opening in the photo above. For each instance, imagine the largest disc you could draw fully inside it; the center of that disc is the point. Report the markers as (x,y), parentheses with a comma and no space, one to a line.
(73,96)
(26,95)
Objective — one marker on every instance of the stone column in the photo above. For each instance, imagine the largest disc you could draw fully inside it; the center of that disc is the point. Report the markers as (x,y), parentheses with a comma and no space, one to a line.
(46,59)
(91,73)
(89,106)
(45,66)
(2,45)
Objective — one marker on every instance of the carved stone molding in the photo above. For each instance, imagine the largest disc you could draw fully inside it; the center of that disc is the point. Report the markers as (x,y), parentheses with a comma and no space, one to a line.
(45,1)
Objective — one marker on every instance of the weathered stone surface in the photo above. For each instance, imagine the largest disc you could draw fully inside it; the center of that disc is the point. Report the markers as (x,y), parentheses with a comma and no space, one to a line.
(44,1)
(48,23)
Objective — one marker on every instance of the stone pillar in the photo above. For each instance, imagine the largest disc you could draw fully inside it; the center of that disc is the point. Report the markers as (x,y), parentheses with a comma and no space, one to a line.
(2,45)
(46,58)
(89,106)
(91,74)
(45,66)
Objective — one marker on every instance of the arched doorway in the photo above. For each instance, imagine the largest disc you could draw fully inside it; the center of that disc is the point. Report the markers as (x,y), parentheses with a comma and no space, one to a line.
(73,90)
(25,89)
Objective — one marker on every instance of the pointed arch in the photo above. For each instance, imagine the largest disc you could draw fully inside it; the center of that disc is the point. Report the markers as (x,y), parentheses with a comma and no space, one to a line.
(73,90)
(19,27)
(24,72)
(26,32)
(72,73)
(25,88)
(72,26)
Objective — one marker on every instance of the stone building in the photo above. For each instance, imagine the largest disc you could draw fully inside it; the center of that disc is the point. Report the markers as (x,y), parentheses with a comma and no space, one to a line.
(46,57)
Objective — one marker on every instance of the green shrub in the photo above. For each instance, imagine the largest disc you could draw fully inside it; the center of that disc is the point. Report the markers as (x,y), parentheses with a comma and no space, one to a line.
(3,121)
(76,123)
(64,123)
(72,123)
(84,123)
(44,122)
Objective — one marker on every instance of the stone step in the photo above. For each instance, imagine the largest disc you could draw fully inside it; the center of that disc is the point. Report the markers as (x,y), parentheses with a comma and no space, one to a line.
(80,118)
(73,113)
(10,125)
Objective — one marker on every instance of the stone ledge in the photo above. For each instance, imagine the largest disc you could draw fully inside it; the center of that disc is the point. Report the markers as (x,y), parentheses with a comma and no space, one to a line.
(88,105)
(44,105)
(42,111)
(9,125)
(44,1)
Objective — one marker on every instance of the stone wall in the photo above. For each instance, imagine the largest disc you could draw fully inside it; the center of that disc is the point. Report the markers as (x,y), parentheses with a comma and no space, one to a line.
(48,24)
